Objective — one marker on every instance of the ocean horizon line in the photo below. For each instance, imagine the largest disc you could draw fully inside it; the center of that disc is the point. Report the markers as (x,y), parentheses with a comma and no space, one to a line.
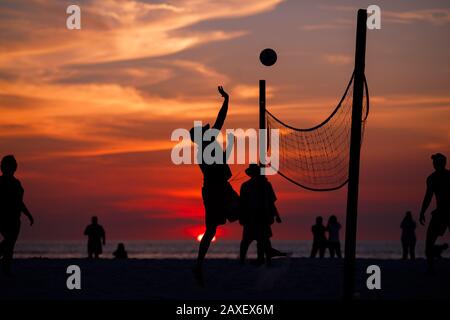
(188,249)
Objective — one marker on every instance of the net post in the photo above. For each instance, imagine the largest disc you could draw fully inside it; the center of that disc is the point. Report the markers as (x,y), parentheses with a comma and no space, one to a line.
(262,113)
(262,104)
(354,162)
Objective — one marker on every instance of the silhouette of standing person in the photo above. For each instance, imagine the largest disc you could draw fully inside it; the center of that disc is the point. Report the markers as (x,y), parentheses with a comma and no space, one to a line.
(120,253)
(408,238)
(258,213)
(11,207)
(438,184)
(96,238)
(319,238)
(334,244)
(218,196)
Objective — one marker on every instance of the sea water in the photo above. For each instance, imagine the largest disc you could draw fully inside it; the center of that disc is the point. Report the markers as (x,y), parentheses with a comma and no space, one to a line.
(188,249)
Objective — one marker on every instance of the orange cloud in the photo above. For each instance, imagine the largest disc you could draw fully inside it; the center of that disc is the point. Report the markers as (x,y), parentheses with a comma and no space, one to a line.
(433,16)
(338,59)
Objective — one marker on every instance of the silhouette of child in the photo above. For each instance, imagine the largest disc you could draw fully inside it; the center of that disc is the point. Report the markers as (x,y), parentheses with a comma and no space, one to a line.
(11,207)
(96,237)
(408,238)
(258,212)
(319,238)
(120,252)
(334,245)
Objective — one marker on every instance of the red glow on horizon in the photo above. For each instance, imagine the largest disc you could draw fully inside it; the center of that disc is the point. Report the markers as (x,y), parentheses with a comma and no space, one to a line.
(197,231)
(200,236)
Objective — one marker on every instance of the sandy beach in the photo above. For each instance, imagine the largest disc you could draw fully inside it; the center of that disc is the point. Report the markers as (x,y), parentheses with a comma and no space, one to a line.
(171,279)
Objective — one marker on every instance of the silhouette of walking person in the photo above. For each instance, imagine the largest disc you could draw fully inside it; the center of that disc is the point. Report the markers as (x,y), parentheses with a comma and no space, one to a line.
(11,208)
(408,238)
(120,253)
(258,213)
(219,198)
(96,238)
(334,244)
(319,238)
(438,184)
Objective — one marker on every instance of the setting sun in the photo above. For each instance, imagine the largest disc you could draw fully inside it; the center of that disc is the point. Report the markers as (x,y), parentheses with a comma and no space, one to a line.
(200,236)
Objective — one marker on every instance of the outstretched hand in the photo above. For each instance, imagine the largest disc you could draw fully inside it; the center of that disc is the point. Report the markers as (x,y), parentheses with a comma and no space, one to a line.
(222,92)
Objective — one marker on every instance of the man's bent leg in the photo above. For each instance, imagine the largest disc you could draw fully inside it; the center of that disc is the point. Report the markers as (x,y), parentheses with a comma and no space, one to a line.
(245,243)
(11,233)
(202,250)
(204,244)
(431,237)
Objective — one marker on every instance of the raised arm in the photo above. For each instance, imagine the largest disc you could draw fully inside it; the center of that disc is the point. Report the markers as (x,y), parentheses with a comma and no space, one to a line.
(426,203)
(223,111)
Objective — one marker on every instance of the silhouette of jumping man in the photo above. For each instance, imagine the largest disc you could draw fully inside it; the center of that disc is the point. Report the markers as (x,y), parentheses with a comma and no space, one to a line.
(258,213)
(120,253)
(219,198)
(438,184)
(96,237)
(334,245)
(408,238)
(11,207)
(319,238)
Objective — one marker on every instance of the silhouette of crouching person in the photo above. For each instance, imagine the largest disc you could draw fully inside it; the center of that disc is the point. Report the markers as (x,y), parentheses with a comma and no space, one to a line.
(11,208)
(120,253)
(96,238)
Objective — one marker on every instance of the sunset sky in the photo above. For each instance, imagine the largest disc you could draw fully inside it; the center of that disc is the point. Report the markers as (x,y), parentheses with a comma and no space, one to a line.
(89,113)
